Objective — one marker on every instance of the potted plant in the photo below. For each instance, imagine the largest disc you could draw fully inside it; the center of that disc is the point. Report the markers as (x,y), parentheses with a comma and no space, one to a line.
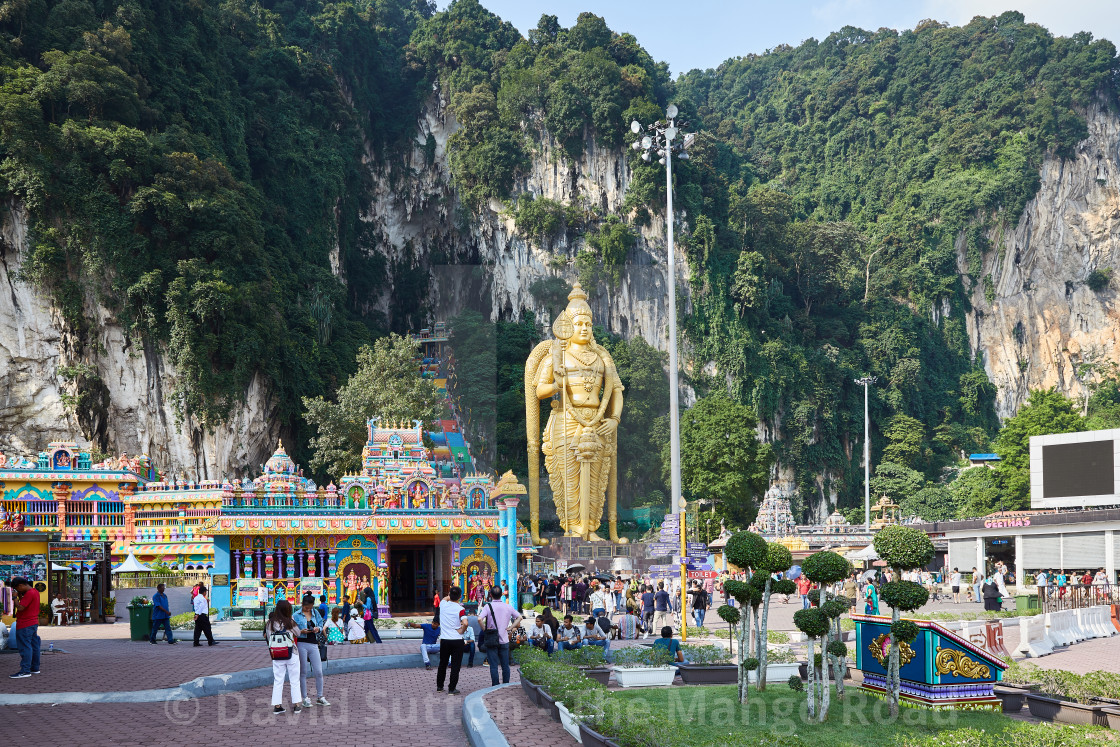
(1067,698)
(639,666)
(109,609)
(781,665)
(708,665)
(587,659)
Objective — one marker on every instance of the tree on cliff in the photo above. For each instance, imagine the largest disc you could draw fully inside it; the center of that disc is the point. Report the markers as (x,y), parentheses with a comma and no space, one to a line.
(387,384)
(1046,411)
(721,457)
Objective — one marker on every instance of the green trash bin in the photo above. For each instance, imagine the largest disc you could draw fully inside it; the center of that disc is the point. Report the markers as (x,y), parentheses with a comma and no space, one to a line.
(140,621)
(1026,603)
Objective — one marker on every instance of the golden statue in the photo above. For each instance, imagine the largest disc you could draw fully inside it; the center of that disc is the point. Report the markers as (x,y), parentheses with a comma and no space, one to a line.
(580,442)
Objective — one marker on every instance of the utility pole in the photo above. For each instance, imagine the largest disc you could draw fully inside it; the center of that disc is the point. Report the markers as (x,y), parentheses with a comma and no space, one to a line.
(866,381)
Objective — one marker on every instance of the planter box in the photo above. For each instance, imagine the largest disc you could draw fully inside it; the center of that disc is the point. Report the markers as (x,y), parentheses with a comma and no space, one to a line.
(593,738)
(550,704)
(1066,712)
(645,676)
(252,635)
(571,726)
(1113,716)
(602,675)
(779,673)
(530,690)
(1012,697)
(709,674)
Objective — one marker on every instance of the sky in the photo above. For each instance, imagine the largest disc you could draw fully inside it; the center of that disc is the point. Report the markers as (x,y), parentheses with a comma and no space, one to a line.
(704,33)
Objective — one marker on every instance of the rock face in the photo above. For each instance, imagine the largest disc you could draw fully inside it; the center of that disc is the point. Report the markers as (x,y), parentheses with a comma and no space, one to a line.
(417,216)
(1038,322)
(127,403)
(1034,324)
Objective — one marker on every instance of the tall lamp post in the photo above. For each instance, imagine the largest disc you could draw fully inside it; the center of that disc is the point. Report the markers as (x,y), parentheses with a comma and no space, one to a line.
(661,138)
(866,381)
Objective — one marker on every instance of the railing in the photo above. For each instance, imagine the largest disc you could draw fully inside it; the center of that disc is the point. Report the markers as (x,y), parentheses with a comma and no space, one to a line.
(151,580)
(1077,596)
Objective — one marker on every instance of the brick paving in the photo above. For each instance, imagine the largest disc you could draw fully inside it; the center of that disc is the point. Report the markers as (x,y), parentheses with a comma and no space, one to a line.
(394,708)
(522,723)
(100,658)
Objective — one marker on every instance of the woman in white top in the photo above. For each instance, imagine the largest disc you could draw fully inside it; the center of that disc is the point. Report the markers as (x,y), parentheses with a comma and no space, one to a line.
(280,621)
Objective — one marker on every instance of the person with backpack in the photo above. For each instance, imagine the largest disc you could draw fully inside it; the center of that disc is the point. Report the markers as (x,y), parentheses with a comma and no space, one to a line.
(368,617)
(281,631)
(496,618)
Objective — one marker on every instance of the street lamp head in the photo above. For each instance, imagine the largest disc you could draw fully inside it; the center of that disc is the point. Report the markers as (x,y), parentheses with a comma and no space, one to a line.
(645,156)
(647,141)
(661,160)
(635,127)
(671,112)
(636,145)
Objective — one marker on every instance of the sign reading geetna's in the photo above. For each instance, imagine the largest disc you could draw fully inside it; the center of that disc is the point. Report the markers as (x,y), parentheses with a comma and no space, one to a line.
(1007,523)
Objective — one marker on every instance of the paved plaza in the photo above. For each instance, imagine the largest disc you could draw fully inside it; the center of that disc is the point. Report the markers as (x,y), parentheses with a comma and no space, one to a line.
(396,706)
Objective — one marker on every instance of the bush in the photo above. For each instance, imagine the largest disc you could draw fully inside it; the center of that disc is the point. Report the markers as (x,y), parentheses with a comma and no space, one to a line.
(783,586)
(904,595)
(833,608)
(778,558)
(837,649)
(781,656)
(796,684)
(746,550)
(777,636)
(706,655)
(826,567)
(640,656)
(727,613)
(750,663)
(584,656)
(1098,280)
(812,622)
(904,631)
(743,592)
(901,547)
(252,623)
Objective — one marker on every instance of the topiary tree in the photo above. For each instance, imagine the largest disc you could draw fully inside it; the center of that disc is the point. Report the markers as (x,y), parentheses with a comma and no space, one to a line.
(826,568)
(746,550)
(903,549)
(814,624)
(730,615)
(778,560)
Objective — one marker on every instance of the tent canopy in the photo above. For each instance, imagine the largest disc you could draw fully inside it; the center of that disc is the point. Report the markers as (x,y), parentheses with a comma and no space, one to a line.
(867,553)
(132,565)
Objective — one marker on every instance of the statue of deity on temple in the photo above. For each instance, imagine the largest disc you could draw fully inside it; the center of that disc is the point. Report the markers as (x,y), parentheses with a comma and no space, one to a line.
(580,440)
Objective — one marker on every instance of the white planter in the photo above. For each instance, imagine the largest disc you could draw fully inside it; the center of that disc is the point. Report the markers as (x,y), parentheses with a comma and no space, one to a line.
(644,676)
(776,673)
(399,633)
(797,636)
(570,726)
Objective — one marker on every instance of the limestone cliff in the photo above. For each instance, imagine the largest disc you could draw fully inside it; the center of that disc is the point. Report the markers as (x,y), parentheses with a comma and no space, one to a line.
(418,218)
(1037,320)
(125,402)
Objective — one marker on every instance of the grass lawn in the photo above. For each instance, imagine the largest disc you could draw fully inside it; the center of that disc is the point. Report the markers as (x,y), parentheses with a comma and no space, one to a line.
(710,716)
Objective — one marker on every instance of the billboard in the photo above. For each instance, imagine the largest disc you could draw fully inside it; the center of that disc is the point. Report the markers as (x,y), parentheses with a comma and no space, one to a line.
(1074,470)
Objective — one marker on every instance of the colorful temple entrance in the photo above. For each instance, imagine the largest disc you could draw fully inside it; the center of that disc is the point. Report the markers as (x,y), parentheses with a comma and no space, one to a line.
(397,528)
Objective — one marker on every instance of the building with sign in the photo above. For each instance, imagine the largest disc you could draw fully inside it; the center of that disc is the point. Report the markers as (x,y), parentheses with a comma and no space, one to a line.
(398,528)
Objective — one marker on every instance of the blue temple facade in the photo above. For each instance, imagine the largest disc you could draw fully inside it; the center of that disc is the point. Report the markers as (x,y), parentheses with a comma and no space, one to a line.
(399,527)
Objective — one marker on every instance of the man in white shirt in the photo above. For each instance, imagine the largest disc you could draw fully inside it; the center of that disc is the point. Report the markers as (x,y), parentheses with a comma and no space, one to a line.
(540,635)
(955,584)
(202,617)
(452,625)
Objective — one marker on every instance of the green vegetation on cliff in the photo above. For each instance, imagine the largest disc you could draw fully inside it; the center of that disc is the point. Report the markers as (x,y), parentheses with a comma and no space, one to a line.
(193,166)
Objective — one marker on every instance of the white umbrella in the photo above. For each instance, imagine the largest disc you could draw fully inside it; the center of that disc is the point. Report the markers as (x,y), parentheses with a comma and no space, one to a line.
(132,565)
(867,553)
(57,567)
